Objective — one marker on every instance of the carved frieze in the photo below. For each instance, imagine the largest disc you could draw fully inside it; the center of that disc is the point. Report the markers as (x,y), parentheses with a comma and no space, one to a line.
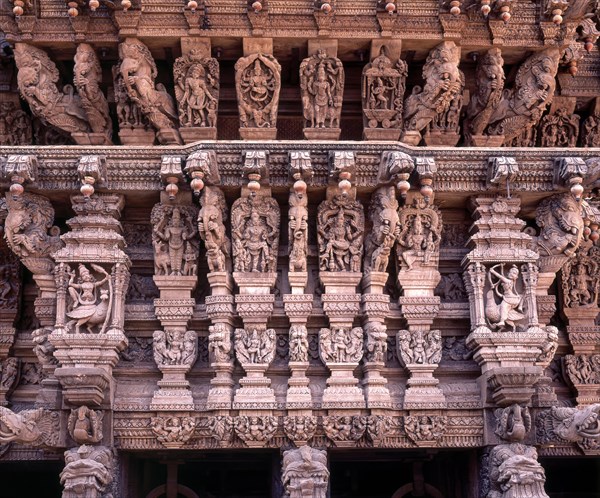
(173,431)
(255,431)
(345,430)
(425,430)
(300,429)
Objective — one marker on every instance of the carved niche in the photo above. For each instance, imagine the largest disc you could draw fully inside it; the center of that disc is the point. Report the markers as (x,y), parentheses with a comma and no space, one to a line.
(383,86)
(322,90)
(87,79)
(340,345)
(341,225)
(88,471)
(15,125)
(436,106)
(139,73)
(521,107)
(174,240)
(85,425)
(385,229)
(560,127)
(298,231)
(257,83)
(37,79)
(211,227)
(490,86)
(175,346)
(197,90)
(255,233)
(305,472)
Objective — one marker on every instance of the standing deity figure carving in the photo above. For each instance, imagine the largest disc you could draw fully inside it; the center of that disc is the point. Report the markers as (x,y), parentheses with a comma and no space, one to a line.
(173,238)
(139,73)
(91,300)
(383,86)
(175,347)
(322,89)
(305,473)
(15,125)
(581,278)
(561,225)
(211,227)
(255,345)
(258,82)
(385,230)
(376,342)
(255,233)
(419,347)
(87,79)
(219,343)
(521,107)
(490,86)
(503,304)
(88,471)
(298,343)
(197,89)
(298,232)
(341,345)
(129,115)
(420,235)
(37,79)
(341,224)
(444,84)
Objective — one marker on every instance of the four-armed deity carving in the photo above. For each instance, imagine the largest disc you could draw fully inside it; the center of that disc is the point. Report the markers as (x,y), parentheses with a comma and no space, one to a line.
(420,235)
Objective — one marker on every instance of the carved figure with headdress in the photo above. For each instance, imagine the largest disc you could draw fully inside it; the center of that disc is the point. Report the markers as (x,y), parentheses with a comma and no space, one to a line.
(298,231)
(385,229)
(211,227)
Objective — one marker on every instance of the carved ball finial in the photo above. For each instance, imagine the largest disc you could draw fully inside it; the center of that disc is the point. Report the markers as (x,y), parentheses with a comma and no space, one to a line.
(126,4)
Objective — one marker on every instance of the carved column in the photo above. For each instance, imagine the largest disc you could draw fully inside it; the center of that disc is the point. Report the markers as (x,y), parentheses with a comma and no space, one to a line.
(298,305)
(501,277)
(255,238)
(176,247)
(258,83)
(91,275)
(340,225)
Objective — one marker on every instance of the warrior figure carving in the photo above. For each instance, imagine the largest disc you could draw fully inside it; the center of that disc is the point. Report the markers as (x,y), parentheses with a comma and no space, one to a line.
(503,288)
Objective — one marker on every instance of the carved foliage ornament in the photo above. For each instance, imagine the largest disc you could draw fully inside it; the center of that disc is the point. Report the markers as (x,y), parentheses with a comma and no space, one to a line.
(322,89)
(258,82)
(305,472)
(211,227)
(341,224)
(255,234)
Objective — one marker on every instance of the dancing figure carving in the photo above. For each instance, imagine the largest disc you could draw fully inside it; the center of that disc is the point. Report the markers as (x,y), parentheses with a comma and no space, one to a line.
(86,308)
(504,304)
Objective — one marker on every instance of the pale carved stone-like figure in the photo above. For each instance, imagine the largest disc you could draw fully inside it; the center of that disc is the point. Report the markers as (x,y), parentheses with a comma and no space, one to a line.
(561,222)
(383,86)
(444,83)
(32,427)
(255,233)
(37,79)
(305,473)
(298,232)
(521,107)
(197,89)
(219,343)
(504,303)
(419,347)
(515,472)
(173,238)
(211,227)
(87,79)
(490,86)
(139,73)
(376,343)
(258,82)
(255,345)
(322,89)
(340,230)
(298,343)
(175,347)
(91,300)
(569,424)
(15,125)
(420,235)
(385,230)
(85,425)
(341,345)
(88,471)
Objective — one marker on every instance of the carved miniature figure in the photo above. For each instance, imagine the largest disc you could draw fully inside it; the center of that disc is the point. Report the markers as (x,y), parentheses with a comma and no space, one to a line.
(581,279)
(419,347)
(380,240)
(196,89)
(504,304)
(340,345)
(175,347)
(85,425)
(254,345)
(344,427)
(211,227)
(490,86)
(9,374)
(300,428)
(169,429)
(15,125)
(219,343)
(257,82)
(42,348)
(521,107)
(376,343)
(88,471)
(560,128)
(419,238)
(305,472)
(298,344)
(255,233)
(87,79)
(298,232)
(129,115)
(255,429)
(425,428)
(86,307)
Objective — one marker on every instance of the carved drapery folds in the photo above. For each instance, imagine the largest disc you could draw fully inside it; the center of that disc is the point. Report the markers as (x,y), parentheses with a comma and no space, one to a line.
(88,471)
(197,95)
(433,111)
(87,79)
(139,72)
(383,86)
(257,83)
(305,473)
(322,90)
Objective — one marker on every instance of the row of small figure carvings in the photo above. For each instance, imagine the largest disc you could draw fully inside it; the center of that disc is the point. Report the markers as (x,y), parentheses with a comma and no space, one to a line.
(146,112)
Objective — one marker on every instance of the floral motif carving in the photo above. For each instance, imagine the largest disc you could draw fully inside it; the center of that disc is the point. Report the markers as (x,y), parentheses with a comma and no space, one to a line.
(451,288)
(340,344)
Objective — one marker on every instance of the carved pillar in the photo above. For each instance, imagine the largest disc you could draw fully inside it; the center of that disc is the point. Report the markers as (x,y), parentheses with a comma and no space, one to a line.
(501,278)
(257,83)
(340,225)
(175,241)
(298,305)
(255,238)
(304,473)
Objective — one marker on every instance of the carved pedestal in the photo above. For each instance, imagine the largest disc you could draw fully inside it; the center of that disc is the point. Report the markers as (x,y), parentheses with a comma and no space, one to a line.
(319,134)
(441,139)
(196,133)
(137,136)
(411,137)
(487,140)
